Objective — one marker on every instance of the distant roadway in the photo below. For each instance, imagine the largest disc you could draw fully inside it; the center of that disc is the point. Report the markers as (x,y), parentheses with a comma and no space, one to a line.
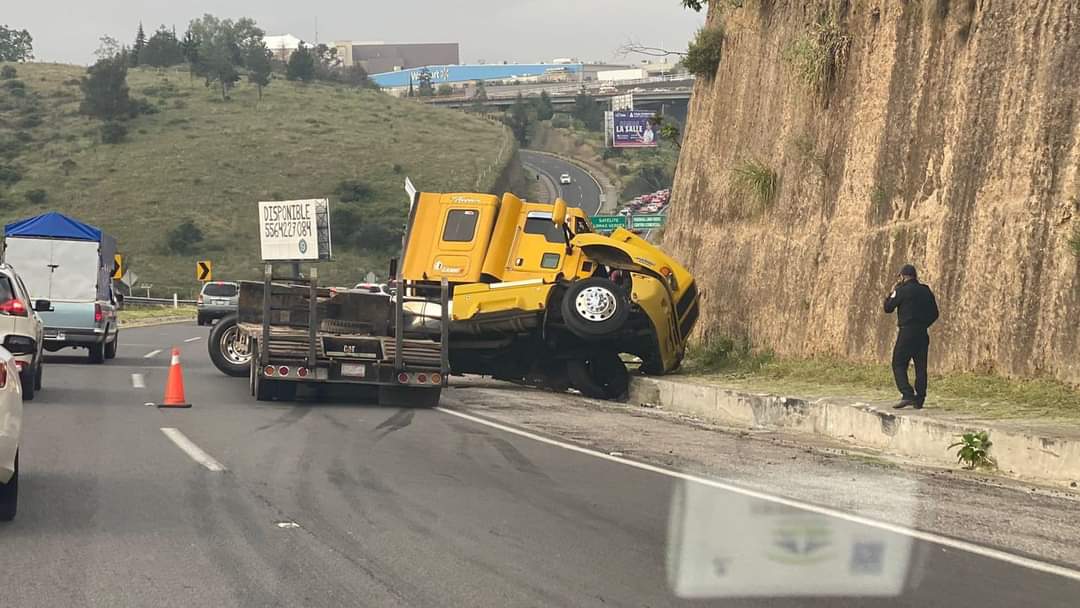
(583,191)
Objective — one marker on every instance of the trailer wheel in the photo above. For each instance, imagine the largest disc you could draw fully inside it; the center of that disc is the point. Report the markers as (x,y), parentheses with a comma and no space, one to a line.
(595,308)
(599,376)
(223,347)
(407,396)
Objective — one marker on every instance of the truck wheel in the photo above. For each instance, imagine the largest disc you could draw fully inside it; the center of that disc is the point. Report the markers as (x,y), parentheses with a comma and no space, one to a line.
(223,347)
(97,352)
(595,308)
(599,376)
(110,348)
(407,396)
(38,375)
(9,495)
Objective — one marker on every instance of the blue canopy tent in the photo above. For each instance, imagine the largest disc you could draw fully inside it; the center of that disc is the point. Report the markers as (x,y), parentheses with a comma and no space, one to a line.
(41,244)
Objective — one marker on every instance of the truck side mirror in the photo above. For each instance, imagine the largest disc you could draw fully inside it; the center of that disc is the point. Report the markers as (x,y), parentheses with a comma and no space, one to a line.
(558,212)
(42,306)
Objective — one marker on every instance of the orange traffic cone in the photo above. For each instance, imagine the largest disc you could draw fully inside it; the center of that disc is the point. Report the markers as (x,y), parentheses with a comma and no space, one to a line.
(174,387)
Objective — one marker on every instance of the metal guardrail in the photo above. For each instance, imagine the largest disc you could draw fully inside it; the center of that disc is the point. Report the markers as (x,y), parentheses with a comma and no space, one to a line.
(141,301)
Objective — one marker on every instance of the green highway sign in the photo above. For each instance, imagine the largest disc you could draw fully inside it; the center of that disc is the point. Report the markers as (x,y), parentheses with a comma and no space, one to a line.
(648,222)
(607,223)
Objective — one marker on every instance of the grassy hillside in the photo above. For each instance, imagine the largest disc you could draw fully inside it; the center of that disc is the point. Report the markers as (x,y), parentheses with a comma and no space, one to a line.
(211,161)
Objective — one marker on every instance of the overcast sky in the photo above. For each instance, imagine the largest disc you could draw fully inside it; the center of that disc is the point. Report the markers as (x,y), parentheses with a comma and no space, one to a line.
(490,30)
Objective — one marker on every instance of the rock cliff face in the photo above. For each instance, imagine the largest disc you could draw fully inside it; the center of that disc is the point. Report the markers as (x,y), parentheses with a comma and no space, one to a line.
(950,138)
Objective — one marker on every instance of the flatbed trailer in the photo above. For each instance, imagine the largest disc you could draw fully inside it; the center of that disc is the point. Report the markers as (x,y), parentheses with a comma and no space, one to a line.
(299,334)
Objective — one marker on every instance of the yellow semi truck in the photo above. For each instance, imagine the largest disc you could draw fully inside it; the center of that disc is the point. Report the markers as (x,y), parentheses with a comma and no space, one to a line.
(538,296)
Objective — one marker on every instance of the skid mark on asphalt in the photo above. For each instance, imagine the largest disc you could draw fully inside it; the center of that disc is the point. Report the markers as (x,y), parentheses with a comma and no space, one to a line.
(292,416)
(515,457)
(398,421)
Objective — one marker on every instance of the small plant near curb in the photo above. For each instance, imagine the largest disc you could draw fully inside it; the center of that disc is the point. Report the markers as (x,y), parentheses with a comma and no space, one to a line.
(755,179)
(974,452)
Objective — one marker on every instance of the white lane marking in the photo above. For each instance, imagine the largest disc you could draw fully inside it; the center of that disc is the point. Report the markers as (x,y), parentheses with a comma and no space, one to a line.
(930,537)
(193,339)
(288,525)
(138,381)
(189,448)
(152,354)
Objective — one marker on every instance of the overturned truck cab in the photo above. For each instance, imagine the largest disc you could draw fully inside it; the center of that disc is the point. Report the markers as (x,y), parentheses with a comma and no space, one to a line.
(537,296)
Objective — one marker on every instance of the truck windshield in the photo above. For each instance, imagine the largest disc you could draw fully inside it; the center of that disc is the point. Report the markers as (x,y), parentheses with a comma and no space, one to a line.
(540,225)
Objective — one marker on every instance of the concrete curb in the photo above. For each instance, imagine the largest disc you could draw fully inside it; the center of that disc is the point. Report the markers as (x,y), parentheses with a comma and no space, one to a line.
(914,436)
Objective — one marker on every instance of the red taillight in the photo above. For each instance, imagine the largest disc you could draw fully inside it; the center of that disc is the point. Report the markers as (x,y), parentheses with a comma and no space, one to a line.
(436,379)
(198,300)
(98,315)
(421,378)
(268,370)
(20,365)
(283,371)
(302,372)
(3,375)
(13,307)
(403,378)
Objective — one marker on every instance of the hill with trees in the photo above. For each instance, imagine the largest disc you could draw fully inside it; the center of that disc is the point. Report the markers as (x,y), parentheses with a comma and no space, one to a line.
(171,145)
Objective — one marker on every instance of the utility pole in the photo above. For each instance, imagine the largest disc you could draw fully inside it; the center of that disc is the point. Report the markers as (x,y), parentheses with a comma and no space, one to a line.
(316,30)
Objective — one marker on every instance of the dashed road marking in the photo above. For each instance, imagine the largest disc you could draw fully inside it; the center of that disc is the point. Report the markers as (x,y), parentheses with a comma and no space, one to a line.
(193,339)
(152,354)
(138,381)
(195,452)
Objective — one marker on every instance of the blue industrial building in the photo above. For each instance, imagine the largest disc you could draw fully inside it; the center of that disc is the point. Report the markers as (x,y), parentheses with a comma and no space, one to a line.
(452,74)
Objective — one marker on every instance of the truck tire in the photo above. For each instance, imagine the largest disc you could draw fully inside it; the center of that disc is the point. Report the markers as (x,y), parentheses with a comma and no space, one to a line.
(39,374)
(111,347)
(9,495)
(595,308)
(408,396)
(599,376)
(222,349)
(97,352)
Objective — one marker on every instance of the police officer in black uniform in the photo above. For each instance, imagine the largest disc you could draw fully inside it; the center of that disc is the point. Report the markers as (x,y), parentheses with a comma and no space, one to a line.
(916,310)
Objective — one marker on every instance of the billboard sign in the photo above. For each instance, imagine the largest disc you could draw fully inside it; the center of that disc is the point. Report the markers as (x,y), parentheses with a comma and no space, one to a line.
(634,129)
(294,230)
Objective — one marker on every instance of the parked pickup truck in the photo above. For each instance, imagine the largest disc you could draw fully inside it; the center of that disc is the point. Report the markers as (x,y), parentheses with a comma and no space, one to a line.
(70,264)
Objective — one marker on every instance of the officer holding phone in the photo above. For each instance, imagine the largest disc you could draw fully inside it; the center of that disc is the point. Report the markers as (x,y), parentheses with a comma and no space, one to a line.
(916,310)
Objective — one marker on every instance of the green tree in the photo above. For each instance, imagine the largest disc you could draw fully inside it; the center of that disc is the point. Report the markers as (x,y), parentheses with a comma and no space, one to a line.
(162,50)
(301,64)
(137,48)
(695,5)
(259,66)
(544,109)
(183,238)
(588,111)
(217,54)
(327,63)
(15,45)
(105,89)
(355,75)
(423,83)
(519,120)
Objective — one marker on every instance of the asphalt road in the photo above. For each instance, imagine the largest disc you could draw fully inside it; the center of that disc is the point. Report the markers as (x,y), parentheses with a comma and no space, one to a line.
(582,191)
(351,504)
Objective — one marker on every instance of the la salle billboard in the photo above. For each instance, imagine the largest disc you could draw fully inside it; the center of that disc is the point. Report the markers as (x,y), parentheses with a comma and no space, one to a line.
(634,129)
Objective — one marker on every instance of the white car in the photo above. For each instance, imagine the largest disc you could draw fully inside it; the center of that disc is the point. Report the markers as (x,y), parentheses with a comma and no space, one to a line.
(21,329)
(564,178)
(11,409)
